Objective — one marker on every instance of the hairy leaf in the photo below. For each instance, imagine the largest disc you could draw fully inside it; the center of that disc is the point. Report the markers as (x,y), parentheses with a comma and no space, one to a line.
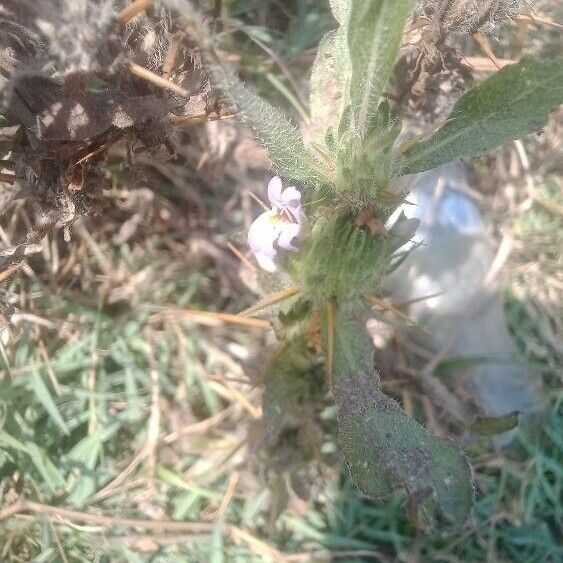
(340,10)
(275,132)
(270,125)
(364,165)
(290,383)
(513,102)
(387,450)
(342,260)
(326,91)
(330,77)
(375,30)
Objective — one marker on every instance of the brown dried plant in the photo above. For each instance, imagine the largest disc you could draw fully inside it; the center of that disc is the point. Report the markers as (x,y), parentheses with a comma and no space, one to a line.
(77,77)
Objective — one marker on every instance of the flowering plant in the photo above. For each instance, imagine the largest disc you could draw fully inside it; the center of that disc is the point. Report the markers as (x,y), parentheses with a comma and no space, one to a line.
(350,169)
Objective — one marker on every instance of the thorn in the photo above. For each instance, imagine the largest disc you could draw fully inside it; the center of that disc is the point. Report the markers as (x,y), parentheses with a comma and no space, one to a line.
(155,79)
(373,300)
(330,343)
(485,46)
(538,19)
(98,150)
(214,319)
(258,200)
(200,118)
(241,256)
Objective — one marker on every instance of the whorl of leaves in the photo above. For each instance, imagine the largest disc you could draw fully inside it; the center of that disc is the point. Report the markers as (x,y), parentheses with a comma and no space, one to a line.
(343,260)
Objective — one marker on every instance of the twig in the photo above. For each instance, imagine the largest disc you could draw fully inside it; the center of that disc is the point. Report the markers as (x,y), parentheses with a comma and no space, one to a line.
(258,200)
(184,120)
(59,543)
(153,426)
(128,13)
(258,546)
(49,367)
(535,18)
(229,493)
(16,254)
(373,300)
(499,261)
(241,257)
(484,64)
(485,46)
(200,427)
(217,319)
(121,478)
(158,526)
(531,185)
(155,79)
(8,272)
(272,299)
(105,521)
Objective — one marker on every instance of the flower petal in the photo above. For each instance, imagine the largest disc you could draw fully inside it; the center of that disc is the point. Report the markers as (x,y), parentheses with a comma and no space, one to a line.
(265,262)
(275,191)
(291,197)
(263,232)
(288,233)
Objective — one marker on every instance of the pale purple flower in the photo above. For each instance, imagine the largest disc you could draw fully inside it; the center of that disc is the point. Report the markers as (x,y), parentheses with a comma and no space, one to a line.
(279,225)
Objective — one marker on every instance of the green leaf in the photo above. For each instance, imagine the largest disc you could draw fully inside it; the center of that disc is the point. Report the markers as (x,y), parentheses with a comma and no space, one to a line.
(8,441)
(491,425)
(45,467)
(387,450)
(340,10)
(49,472)
(513,102)
(270,125)
(275,132)
(43,394)
(289,384)
(342,260)
(330,77)
(84,458)
(375,30)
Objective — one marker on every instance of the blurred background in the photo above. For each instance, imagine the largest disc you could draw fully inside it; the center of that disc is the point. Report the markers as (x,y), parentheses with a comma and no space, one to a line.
(122,405)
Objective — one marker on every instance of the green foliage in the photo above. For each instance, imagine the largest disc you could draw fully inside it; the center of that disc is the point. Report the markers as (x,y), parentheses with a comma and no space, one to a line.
(387,450)
(342,260)
(375,30)
(364,165)
(489,426)
(513,102)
